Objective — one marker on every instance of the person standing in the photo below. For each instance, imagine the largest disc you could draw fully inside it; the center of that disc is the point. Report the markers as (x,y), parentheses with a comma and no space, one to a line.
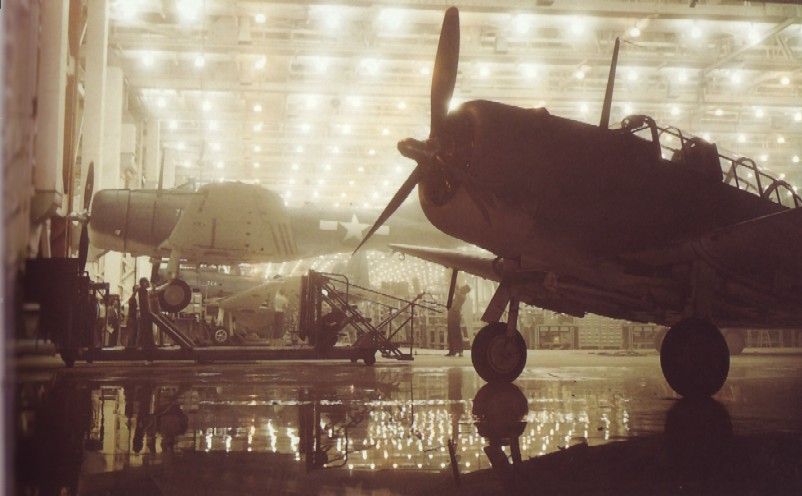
(280,303)
(132,330)
(454,319)
(145,319)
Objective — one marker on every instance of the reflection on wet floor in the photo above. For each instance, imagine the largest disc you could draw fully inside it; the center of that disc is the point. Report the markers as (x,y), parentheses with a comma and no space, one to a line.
(324,417)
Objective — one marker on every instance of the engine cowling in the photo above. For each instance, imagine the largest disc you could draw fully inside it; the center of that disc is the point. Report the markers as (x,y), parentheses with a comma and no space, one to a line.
(174,296)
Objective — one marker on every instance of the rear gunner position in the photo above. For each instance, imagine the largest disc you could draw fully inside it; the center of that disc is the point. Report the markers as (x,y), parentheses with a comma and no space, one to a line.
(586,219)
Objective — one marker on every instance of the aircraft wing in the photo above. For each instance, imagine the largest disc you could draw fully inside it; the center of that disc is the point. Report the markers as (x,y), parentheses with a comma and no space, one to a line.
(478,265)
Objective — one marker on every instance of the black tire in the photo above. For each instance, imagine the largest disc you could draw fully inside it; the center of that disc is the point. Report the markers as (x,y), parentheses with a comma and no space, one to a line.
(220,336)
(370,358)
(694,358)
(174,296)
(736,341)
(496,357)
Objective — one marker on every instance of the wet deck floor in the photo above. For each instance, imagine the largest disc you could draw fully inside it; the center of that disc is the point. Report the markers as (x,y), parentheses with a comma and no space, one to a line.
(589,422)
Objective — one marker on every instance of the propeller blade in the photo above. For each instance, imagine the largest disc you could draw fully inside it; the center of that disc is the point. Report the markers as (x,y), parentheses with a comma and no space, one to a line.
(399,197)
(89,186)
(83,248)
(444,75)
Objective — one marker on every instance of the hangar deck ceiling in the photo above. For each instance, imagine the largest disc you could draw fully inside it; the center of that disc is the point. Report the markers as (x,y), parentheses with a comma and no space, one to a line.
(310,99)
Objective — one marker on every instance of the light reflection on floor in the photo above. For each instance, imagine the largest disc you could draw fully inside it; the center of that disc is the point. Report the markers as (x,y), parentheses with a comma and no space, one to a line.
(330,416)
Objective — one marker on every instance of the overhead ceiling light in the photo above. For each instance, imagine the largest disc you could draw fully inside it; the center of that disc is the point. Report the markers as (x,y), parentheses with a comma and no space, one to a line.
(320,64)
(351,182)
(305,127)
(392,18)
(424,70)
(577,26)
(627,109)
(354,101)
(528,71)
(579,74)
(741,138)
(180,145)
(402,105)
(216,147)
(213,126)
(385,131)
(759,112)
(371,152)
(484,70)
(161,102)
(257,107)
(200,61)
(345,128)
(189,11)
(754,36)
(632,75)
(718,112)
(173,125)
(696,32)
(257,148)
(147,59)
(256,165)
(260,18)
(795,159)
(327,166)
(360,169)
(798,117)
(735,77)
(634,32)
(706,137)
(780,140)
(219,164)
(764,157)
(521,23)
(260,63)
(370,66)
(785,80)
(206,105)
(299,149)
(583,108)
(682,76)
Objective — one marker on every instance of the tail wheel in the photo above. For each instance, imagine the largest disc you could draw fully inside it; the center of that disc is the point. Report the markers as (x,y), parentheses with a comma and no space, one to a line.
(496,356)
(174,296)
(694,358)
(220,336)
(736,341)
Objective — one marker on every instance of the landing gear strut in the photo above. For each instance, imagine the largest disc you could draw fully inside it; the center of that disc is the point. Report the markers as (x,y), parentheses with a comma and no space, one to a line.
(496,355)
(695,358)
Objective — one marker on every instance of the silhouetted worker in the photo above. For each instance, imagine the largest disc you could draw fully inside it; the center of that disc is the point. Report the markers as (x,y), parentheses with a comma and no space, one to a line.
(132,323)
(145,319)
(280,303)
(454,319)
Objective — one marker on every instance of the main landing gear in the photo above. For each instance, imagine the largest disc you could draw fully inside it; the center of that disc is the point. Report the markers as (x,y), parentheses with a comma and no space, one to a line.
(695,358)
(498,356)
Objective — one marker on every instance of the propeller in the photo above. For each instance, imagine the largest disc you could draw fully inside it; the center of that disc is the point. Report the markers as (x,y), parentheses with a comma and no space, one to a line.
(425,153)
(83,241)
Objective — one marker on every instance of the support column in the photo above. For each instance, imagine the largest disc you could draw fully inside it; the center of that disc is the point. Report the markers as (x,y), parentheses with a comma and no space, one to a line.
(51,98)
(152,154)
(97,40)
(112,129)
(170,161)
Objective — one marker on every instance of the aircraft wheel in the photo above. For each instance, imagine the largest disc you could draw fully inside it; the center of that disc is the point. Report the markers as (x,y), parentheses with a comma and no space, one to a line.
(694,358)
(736,341)
(220,336)
(370,358)
(174,296)
(496,357)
